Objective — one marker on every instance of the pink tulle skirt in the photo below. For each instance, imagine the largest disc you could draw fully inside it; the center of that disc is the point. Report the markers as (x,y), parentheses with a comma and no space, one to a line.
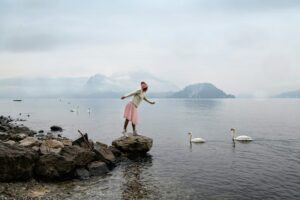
(131,113)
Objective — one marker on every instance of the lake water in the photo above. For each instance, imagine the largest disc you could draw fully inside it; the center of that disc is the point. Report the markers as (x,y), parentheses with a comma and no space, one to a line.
(266,168)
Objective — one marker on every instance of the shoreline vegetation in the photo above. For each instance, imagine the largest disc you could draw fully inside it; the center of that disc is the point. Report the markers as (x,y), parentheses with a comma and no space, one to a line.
(29,158)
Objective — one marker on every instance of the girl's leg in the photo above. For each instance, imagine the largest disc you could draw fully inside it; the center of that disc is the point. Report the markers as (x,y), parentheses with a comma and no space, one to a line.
(126,124)
(133,127)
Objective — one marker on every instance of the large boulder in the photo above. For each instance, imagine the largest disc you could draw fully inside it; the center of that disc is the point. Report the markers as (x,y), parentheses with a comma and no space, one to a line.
(80,155)
(17,162)
(97,168)
(103,153)
(53,167)
(133,145)
(62,166)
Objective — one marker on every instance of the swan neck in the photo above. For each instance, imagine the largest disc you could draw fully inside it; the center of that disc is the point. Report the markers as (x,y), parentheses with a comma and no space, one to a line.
(233,134)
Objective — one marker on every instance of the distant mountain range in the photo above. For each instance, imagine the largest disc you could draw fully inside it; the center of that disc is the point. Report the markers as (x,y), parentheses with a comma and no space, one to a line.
(97,86)
(114,86)
(118,84)
(101,86)
(201,90)
(290,94)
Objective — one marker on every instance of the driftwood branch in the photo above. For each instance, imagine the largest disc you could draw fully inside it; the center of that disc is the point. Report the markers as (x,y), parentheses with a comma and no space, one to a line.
(85,140)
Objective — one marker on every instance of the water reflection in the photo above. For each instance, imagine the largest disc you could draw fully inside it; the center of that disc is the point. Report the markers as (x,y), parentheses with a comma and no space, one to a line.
(134,186)
(201,104)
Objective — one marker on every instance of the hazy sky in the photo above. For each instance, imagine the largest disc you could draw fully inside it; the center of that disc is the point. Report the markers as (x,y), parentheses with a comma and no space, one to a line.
(242,46)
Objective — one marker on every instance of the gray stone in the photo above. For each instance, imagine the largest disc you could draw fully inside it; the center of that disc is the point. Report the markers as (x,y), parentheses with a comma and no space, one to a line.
(51,146)
(53,167)
(17,162)
(62,166)
(82,174)
(115,151)
(17,137)
(4,128)
(11,142)
(4,136)
(104,154)
(133,145)
(29,142)
(81,156)
(97,168)
(36,148)
(56,128)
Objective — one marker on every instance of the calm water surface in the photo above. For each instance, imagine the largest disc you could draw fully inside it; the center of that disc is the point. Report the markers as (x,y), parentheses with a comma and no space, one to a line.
(267,168)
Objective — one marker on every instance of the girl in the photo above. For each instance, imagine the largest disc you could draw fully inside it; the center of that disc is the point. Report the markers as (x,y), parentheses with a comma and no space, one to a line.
(130,113)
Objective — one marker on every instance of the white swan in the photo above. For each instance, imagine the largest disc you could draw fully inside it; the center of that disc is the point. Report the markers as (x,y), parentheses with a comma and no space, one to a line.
(75,109)
(242,138)
(195,140)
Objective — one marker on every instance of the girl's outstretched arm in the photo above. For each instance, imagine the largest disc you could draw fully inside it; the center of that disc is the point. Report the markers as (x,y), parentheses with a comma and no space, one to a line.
(130,94)
(147,100)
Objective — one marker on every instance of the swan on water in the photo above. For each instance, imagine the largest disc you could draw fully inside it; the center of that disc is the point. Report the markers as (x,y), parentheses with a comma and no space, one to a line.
(75,109)
(195,140)
(243,138)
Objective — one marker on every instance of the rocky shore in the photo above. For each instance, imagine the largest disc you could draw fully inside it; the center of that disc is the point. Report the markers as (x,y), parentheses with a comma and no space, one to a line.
(29,155)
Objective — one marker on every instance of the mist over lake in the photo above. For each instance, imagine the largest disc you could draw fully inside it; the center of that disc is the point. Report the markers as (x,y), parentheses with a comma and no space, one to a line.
(266,168)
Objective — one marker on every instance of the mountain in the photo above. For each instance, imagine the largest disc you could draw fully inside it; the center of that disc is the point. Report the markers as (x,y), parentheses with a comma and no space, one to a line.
(96,86)
(41,87)
(290,94)
(201,90)
(121,83)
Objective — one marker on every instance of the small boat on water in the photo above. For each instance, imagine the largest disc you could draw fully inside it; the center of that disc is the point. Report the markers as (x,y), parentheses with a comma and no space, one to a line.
(18,100)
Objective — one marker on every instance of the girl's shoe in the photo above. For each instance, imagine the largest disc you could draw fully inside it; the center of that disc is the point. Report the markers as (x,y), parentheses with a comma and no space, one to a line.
(135,133)
(124,133)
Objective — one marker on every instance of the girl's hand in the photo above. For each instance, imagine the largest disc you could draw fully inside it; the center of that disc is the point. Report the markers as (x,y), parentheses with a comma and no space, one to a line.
(123,97)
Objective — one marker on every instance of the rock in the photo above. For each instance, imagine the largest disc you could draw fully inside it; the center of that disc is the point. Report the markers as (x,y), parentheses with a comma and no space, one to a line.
(62,166)
(17,162)
(101,144)
(4,136)
(46,150)
(97,168)
(4,128)
(66,142)
(36,148)
(54,143)
(133,145)
(82,174)
(51,146)
(41,131)
(18,137)
(81,156)
(11,142)
(21,129)
(56,128)
(115,151)
(53,167)
(104,154)
(29,142)
(82,142)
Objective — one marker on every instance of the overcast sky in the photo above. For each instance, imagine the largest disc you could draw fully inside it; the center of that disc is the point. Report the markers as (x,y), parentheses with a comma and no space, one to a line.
(242,46)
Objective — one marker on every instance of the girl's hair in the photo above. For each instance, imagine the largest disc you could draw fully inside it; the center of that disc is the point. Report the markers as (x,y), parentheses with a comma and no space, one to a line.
(145,88)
